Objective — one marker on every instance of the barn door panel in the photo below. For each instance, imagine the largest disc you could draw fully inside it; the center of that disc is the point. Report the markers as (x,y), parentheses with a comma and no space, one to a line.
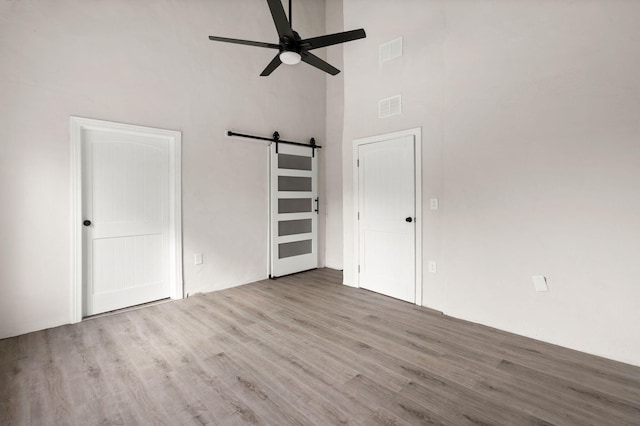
(294,209)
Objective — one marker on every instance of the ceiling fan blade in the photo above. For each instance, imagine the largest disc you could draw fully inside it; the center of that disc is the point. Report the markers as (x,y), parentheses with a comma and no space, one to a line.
(279,18)
(331,39)
(246,42)
(312,59)
(275,63)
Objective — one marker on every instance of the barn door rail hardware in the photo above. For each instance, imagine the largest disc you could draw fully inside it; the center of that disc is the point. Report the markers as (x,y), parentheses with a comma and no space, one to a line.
(276,139)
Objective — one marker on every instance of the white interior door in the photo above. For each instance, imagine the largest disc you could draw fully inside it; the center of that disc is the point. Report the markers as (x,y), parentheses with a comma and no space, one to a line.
(294,209)
(125,193)
(387,217)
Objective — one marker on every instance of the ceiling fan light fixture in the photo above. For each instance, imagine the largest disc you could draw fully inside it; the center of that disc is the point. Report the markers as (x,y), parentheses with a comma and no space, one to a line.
(290,58)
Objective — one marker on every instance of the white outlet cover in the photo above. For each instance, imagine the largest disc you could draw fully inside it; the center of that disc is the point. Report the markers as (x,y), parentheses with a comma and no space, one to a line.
(198,260)
(434,204)
(433,267)
(540,283)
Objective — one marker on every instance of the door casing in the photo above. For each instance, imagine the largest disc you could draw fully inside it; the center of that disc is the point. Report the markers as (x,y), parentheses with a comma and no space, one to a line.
(417,135)
(174,139)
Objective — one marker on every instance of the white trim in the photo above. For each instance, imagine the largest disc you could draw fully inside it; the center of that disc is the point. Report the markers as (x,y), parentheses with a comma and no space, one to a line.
(295,173)
(295,216)
(174,138)
(294,194)
(417,134)
(293,238)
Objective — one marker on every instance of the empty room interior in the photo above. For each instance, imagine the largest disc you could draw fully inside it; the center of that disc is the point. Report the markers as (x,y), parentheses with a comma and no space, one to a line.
(317,212)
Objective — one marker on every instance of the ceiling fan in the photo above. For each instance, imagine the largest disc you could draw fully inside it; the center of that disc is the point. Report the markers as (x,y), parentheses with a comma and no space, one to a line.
(292,48)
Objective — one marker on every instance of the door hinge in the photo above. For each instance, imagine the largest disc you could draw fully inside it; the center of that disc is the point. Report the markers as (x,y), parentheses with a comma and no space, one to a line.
(358,162)
(358,215)
(358,268)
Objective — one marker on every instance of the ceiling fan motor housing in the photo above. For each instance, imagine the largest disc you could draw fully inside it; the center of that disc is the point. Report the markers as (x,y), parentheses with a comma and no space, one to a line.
(290,44)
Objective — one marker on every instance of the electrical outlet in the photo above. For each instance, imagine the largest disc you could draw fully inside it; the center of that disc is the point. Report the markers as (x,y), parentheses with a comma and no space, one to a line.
(434,204)
(432,267)
(198,259)
(540,283)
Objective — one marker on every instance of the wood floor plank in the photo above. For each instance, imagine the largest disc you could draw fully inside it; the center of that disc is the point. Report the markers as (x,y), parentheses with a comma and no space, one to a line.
(393,402)
(14,382)
(126,387)
(304,350)
(461,351)
(337,356)
(410,361)
(73,401)
(423,375)
(382,417)
(616,409)
(303,398)
(207,399)
(37,402)
(542,402)
(318,381)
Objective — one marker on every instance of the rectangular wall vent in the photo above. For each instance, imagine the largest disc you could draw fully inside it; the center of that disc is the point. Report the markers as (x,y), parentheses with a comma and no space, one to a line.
(390,106)
(391,50)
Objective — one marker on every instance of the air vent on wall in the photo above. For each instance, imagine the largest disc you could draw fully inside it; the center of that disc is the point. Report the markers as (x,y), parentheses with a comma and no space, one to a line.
(391,50)
(390,106)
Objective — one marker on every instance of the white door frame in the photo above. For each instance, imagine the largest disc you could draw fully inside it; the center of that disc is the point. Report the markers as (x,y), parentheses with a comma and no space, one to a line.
(174,139)
(417,135)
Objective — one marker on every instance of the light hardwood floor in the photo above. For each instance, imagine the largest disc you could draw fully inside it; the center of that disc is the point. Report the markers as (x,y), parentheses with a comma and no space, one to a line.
(303,350)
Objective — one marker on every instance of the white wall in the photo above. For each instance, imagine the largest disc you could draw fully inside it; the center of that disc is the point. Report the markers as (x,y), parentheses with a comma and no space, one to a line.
(332,154)
(148,63)
(530,124)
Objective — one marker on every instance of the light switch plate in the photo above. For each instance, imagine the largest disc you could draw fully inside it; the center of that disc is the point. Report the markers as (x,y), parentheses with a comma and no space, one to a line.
(540,283)
(198,259)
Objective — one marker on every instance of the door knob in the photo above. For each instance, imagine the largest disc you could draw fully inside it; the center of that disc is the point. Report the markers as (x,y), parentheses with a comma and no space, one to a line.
(87,223)
(409,219)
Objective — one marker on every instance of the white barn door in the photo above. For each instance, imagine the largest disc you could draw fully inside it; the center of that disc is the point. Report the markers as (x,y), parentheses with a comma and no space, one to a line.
(129,245)
(294,209)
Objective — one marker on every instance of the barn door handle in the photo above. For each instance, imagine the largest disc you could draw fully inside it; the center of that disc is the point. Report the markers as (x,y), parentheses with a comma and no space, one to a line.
(317,210)
(87,223)
(409,219)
